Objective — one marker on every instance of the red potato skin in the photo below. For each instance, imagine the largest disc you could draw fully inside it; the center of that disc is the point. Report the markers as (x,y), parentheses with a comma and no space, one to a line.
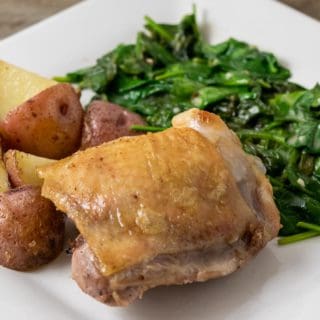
(47,125)
(105,121)
(31,231)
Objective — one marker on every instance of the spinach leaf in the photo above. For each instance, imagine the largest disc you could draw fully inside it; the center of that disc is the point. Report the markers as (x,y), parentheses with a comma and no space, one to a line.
(171,68)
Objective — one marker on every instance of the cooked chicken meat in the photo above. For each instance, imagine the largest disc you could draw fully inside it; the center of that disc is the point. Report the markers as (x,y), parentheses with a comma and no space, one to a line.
(186,204)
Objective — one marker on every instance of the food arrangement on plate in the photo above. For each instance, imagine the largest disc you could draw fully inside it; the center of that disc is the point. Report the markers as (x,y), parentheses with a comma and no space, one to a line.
(166,172)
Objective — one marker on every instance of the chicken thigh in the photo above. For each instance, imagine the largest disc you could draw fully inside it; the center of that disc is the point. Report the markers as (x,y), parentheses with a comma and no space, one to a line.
(183,205)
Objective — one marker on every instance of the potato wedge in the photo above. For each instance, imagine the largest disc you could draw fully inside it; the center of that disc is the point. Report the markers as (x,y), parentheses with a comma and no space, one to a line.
(31,231)
(22,167)
(38,115)
(4,178)
(48,125)
(18,85)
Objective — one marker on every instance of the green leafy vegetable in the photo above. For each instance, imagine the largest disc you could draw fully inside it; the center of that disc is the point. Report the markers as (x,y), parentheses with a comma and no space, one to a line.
(171,68)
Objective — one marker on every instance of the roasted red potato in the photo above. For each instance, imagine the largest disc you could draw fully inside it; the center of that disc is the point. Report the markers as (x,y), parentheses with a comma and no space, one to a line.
(37,115)
(21,168)
(105,121)
(31,231)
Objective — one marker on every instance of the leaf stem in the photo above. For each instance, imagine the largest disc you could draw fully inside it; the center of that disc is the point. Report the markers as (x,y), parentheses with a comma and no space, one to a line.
(298,237)
(261,135)
(157,28)
(61,78)
(309,226)
(137,127)
(169,75)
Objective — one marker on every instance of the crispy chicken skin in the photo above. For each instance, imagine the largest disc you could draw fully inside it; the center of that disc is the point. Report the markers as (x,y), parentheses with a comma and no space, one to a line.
(186,204)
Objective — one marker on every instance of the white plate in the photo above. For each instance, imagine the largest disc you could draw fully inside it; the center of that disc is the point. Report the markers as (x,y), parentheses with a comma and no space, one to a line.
(281,282)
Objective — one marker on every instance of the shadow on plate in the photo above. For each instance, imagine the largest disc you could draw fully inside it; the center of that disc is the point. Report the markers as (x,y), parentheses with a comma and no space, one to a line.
(216,297)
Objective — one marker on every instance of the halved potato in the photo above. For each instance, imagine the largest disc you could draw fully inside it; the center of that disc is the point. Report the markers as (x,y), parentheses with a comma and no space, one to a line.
(37,115)
(31,230)
(18,85)
(4,179)
(22,167)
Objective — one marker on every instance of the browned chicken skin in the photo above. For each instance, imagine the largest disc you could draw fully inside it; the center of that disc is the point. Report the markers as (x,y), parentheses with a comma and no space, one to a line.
(183,205)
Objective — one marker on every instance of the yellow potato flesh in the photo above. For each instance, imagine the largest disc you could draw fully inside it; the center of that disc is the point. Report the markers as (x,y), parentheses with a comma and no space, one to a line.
(18,85)
(4,180)
(23,166)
